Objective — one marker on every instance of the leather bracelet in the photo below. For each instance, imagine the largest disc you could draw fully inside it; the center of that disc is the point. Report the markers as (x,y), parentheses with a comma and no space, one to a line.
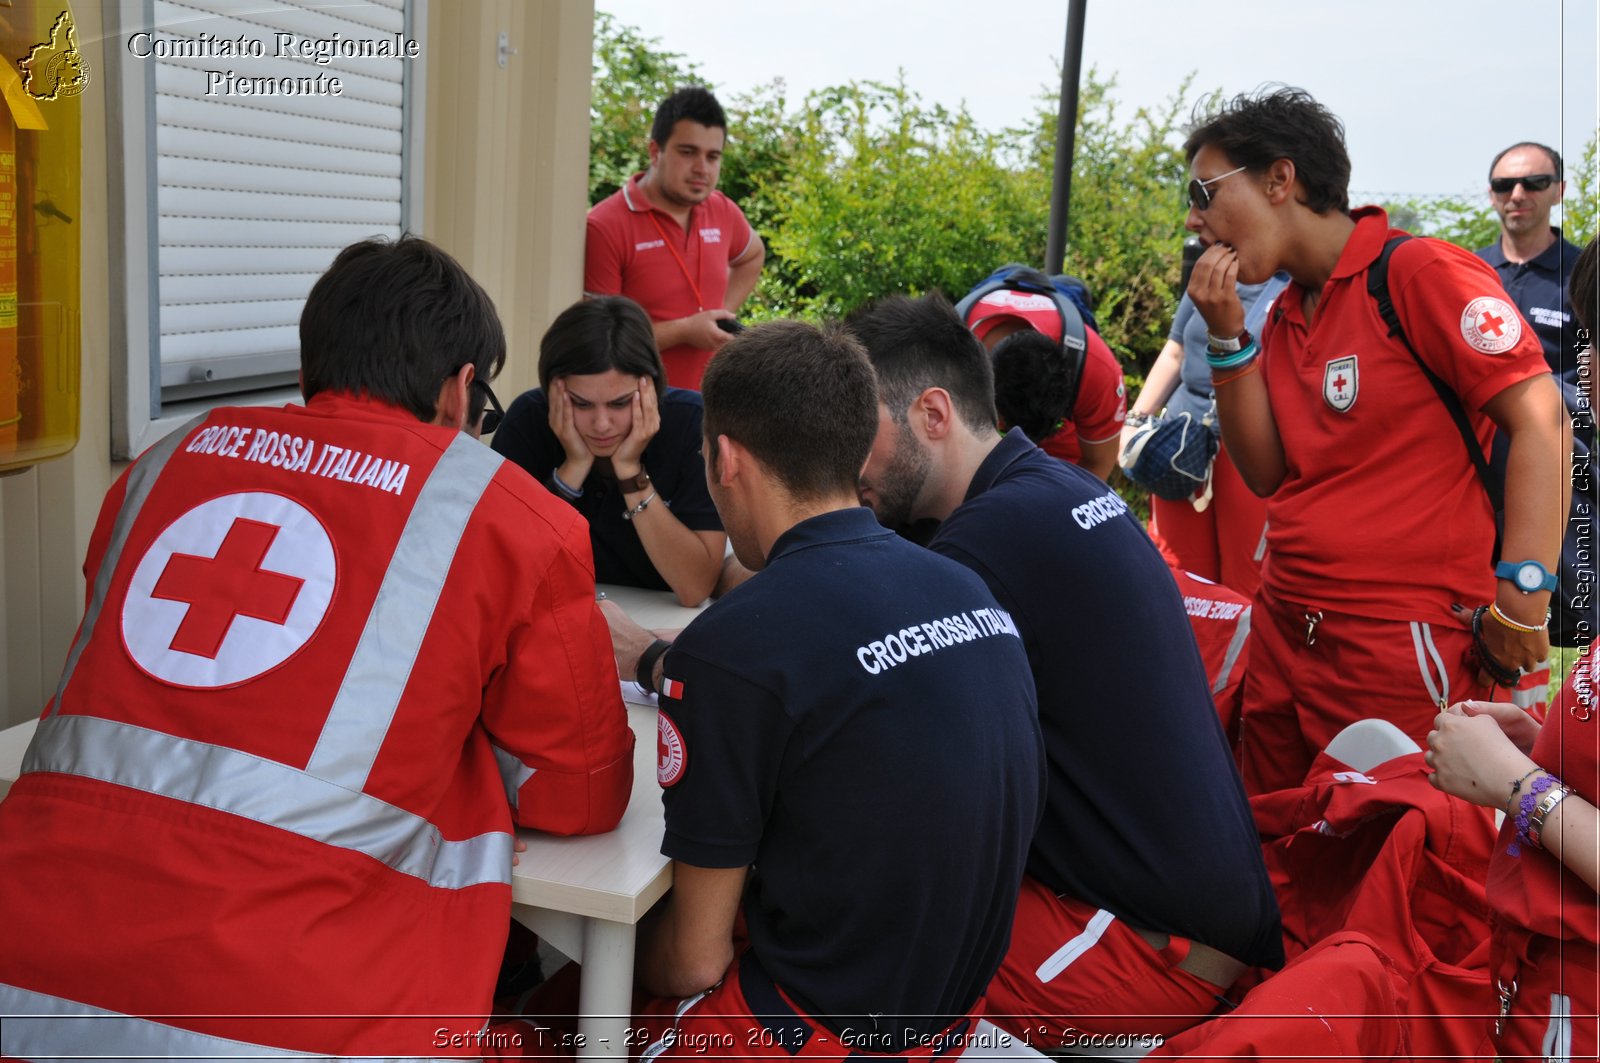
(644,673)
(1514,625)
(1502,674)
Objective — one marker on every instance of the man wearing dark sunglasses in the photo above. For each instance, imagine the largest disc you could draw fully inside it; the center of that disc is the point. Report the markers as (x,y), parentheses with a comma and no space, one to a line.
(1533,259)
(1378,596)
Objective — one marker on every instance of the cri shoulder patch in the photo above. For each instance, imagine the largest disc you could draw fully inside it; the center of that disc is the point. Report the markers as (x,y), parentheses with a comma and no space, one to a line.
(1490,325)
(670,752)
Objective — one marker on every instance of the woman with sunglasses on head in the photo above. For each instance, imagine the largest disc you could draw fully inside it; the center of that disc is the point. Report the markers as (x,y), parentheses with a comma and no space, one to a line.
(1378,596)
(606,434)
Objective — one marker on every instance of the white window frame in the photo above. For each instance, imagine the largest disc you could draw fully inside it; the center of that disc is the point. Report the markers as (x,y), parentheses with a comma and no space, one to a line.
(139,416)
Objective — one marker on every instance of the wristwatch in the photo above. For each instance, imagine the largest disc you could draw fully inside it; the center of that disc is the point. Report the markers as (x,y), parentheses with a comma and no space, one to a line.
(1228,346)
(1526,576)
(635,483)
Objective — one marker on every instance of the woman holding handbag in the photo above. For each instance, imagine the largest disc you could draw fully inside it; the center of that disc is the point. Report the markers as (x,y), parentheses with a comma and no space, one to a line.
(1217,532)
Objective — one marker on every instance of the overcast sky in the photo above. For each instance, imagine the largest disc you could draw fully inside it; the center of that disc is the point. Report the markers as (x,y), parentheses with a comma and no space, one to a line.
(1429,90)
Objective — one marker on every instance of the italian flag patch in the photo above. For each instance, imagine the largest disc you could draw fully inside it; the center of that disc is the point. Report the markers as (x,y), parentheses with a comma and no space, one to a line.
(671,688)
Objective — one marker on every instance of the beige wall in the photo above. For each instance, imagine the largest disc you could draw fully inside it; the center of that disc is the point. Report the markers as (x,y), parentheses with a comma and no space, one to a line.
(505,182)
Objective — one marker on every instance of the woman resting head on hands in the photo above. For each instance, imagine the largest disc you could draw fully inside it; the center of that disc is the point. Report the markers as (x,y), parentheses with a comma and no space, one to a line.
(607,435)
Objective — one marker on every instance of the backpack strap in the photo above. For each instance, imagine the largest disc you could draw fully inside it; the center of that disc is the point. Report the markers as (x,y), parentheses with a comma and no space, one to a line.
(1378,288)
(1073,338)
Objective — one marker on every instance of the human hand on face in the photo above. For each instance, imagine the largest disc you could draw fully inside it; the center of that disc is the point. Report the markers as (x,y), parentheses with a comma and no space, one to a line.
(625,461)
(1213,288)
(575,468)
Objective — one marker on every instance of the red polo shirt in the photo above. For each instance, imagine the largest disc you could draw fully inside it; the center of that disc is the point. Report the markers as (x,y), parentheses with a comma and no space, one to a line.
(1101,406)
(1380,513)
(634,249)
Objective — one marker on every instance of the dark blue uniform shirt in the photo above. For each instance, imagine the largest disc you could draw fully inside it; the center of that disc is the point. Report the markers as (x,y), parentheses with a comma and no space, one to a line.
(1145,814)
(858,722)
(1539,288)
(673,459)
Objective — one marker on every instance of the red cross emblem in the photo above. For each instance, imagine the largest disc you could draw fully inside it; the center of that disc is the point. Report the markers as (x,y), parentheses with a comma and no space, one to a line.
(229,591)
(1341,380)
(1490,326)
(231,584)
(1340,383)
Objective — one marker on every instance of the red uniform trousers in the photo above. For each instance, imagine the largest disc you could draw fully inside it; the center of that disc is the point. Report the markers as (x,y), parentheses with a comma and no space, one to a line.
(747,1016)
(1072,967)
(1552,997)
(1298,696)
(1223,542)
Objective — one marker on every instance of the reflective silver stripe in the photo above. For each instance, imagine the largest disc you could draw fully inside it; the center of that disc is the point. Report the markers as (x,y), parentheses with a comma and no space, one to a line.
(512,772)
(1067,954)
(267,792)
(1438,663)
(1418,634)
(43,1028)
(55,1028)
(1261,547)
(1235,647)
(1557,1046)
(141,478)
(387,651)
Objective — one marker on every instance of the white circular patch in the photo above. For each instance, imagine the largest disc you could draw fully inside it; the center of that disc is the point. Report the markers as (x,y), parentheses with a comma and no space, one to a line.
(230,590)
(1490,325)
(670,754)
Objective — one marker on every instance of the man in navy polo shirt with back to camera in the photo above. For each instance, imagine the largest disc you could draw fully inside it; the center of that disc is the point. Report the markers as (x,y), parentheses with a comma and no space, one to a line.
(849,748)
(1146,896)
(1532,258)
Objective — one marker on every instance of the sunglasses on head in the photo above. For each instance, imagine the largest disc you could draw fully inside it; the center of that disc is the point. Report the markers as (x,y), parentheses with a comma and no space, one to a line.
(1533,182)
(494,414)
(1200,192)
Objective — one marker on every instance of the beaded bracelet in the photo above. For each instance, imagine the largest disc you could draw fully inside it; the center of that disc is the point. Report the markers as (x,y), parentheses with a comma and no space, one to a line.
(1525,810)
(1514,625)
(1516,788)
(636,510)
(1234,360)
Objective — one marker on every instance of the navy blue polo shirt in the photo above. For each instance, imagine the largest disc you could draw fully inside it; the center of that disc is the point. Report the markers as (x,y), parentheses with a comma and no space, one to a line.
(858,723)
(673,459)
(1539,288)
(1145,814)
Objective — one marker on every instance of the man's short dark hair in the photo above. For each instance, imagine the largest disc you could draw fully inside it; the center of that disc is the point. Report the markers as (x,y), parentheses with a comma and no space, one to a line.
(916,344)
(1583,289)
(1030,383)
(1555,156)
(693,102)
(393,321)
(802,400)
(598,335)
(1255,130)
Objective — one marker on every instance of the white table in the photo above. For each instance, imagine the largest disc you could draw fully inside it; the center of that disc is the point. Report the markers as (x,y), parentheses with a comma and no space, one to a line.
(586,895)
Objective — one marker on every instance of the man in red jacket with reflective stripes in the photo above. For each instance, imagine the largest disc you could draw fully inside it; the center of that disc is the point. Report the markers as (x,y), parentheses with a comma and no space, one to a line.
(331,655)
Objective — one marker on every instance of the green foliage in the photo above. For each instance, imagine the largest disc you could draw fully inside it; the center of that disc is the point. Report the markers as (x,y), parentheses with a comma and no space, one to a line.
(1468,223)
(632,75)
(1582,202)
(1125,231)
(884,194)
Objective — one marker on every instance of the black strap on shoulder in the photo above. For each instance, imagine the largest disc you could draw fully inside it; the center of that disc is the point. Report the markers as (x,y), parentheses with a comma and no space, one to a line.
(1378,288)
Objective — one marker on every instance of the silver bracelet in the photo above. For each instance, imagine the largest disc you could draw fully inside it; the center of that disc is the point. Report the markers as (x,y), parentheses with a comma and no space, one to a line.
(636,510)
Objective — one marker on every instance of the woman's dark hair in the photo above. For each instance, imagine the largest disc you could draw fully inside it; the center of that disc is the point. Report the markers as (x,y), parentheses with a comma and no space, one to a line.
(1030,383)
(1583,291)
(599,335)
(394,321)
(1255,130)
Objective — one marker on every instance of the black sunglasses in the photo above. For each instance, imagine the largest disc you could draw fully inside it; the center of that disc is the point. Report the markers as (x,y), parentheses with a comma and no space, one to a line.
(494,414)
(1533,182)
(1200,191)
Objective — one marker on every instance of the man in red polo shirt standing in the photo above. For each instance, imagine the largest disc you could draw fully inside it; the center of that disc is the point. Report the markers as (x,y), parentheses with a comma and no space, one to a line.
(672,243)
